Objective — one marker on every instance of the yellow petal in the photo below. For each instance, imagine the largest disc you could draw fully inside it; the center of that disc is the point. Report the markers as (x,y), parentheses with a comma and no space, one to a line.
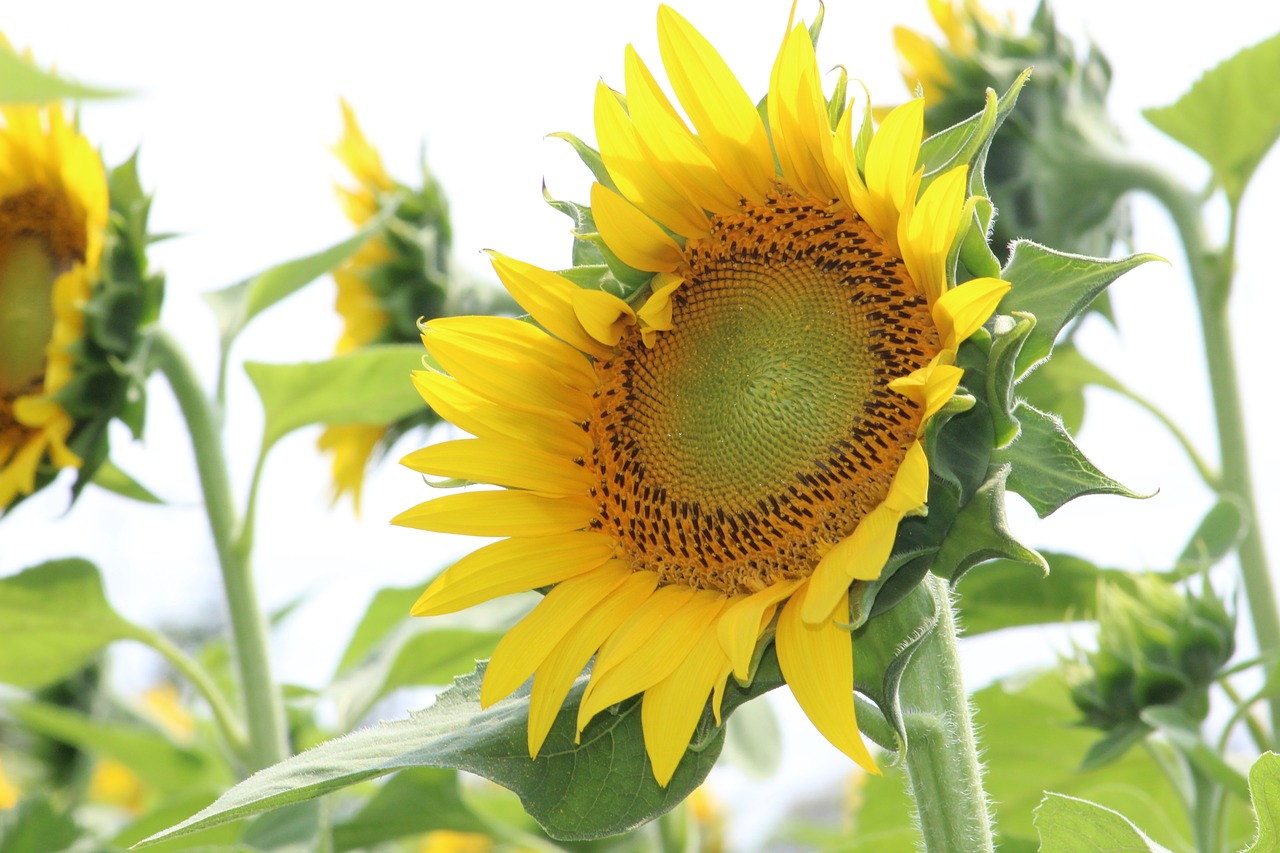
(502,417)
(503,373)
(655,314)
(740,625)
(717,105)
(817,662)
(523,648)
(522,340)
(500,513)
(930,386)
(798,118)
(910,487)
(670,710)
(622,671)
(674,152)
(502,463)
(852,191)
(962,310)
(635,238)
(927,234)
(513,565)
(564,664)
(890,167)
(548,297)
(633,172)
(859,556)
(604,316)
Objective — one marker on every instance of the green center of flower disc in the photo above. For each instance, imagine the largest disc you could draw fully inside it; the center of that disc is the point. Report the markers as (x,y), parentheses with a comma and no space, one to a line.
(756,432)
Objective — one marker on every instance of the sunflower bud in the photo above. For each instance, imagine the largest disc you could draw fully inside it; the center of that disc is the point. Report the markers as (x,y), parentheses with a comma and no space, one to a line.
(1156,646)
(74,297)
(1038,175)
(400,275)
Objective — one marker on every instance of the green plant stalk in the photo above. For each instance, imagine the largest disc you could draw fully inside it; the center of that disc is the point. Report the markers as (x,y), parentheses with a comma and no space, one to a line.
(942,752)
(1211,275)
(1206,813)
(228,723)
(264,710)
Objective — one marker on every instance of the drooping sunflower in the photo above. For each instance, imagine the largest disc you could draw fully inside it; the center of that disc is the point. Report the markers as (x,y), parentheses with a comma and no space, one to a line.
(730,450)
(53,215)
(926,64)
(384,271)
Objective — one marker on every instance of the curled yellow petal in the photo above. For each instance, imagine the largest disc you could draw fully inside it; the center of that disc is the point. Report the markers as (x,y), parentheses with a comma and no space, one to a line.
(548,297)
(859,556)
(927,234)
(962,310)
(604,316)
(635,238)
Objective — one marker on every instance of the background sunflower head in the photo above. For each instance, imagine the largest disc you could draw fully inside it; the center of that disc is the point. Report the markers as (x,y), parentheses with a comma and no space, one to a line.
(75,295)
(401,274)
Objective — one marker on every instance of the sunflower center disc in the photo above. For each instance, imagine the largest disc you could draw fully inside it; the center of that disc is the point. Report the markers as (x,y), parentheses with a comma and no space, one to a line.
(760,429)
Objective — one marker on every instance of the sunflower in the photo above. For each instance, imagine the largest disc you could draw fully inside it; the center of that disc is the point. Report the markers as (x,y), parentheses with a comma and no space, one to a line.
(925,64)
(53,214)
(716,461)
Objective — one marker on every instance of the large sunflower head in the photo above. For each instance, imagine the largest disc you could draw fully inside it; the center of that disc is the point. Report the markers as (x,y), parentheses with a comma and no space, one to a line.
(716,459)
(401,273)
(1040,174)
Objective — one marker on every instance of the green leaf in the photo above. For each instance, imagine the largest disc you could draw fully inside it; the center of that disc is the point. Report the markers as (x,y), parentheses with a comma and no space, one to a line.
(980,533)
(753,743)
(590,157)
(21,82)
(1230,116)
(1184,732)
(1057,385)
(1055,288)
(1214,538)
(34,827)
(1071,825)
(600,786)
(366,386)
(158,761)
(1006,594)
(111,478)
(53,619)
(389,608)
(1010,334)
(235,305)
(1048,468)
(1264,787)
(413,801)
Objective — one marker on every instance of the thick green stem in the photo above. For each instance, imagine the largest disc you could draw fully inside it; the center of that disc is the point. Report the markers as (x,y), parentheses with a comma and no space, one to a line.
(264,711)
(942,752)
(1211,275)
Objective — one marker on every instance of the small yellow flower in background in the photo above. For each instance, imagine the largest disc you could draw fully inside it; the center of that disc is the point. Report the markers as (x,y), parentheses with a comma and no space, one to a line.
(448,841)
(723,457)
(8,791)
(53,214)
(401,274)
(163,704)
(114,784)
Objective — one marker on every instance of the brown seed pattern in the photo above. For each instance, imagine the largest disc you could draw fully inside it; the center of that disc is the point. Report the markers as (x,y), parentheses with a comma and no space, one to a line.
(814,317)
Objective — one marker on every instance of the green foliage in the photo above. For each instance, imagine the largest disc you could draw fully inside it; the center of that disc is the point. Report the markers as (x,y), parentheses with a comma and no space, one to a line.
(1071,825)
(369,385)
(1230,116)
(35,827)
(419,799)
(600,786)
(110,477)
(55,618)
(23,83)
(1264,787)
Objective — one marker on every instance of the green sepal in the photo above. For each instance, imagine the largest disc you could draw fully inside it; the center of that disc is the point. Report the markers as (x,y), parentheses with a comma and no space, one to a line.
(883,648)
(600,786)
(1112,746)
(1215,537)
(590,248)
(21,82)
(109,376)
(598,277)
(968,142)
(1010,335)
(110,477)
(974,250)
(1055,288)
(980,532)
(1230,116)
(590,158)
(1048,469)
(838,101)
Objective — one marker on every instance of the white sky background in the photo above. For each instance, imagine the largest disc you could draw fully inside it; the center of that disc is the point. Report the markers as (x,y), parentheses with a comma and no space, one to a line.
(236,106)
